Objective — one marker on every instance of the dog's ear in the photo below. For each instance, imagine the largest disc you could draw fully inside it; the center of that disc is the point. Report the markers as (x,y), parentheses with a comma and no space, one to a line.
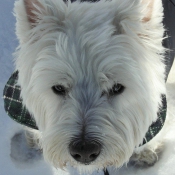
(32,13)
(139,16)
(33,7)
(25,12)
(148,12)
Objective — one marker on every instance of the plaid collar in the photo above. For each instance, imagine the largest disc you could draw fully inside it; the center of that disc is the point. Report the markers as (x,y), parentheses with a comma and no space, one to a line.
(13,103)
(15,109)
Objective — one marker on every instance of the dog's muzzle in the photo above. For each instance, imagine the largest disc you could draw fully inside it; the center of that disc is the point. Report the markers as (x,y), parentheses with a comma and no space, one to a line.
(85,152)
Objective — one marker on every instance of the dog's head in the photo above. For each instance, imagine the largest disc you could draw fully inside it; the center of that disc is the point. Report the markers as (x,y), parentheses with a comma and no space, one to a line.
(91,75)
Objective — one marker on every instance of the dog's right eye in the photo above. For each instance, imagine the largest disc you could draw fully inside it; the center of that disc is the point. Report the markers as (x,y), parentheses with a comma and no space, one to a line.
(59,90)
(116,90)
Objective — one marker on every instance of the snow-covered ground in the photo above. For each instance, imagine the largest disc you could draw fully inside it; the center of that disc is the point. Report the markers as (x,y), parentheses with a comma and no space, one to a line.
(16,158)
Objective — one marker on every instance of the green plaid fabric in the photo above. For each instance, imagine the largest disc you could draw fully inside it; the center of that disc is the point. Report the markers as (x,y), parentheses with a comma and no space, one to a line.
(15,109)
(13,103)
(158,124)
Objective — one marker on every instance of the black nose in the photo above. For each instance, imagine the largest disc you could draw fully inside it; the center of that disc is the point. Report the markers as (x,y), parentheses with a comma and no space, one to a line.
(85,152)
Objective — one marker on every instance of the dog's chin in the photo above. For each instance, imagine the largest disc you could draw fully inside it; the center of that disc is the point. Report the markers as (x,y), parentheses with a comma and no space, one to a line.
(89,168)
(86,168)
(93,167)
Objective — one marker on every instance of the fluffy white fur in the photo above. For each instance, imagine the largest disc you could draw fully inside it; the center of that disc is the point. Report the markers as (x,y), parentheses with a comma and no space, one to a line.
(88,47)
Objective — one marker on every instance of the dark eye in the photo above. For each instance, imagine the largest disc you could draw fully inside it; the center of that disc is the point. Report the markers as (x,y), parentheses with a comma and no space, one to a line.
(59,89)
(116,89)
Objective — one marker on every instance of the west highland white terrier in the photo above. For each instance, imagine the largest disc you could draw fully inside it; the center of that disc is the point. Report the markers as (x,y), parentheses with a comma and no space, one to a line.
(92,76)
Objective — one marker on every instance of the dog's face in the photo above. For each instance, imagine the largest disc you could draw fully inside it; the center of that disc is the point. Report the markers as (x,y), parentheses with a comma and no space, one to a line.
(91,75)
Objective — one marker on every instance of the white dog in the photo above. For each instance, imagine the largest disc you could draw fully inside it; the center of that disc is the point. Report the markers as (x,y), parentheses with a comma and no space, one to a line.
(93,77)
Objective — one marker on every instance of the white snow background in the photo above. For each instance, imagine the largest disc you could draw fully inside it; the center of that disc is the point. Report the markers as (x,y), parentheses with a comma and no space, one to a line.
(16,158)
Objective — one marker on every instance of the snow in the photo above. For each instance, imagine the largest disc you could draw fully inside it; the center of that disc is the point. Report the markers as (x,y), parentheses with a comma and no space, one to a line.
(15,157)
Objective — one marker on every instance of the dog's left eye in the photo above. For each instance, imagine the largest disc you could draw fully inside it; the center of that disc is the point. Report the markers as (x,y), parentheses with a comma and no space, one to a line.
(116,89)
(59,89)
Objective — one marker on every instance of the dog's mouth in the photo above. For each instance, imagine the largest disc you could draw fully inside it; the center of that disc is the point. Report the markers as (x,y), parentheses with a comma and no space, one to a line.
(87,163)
